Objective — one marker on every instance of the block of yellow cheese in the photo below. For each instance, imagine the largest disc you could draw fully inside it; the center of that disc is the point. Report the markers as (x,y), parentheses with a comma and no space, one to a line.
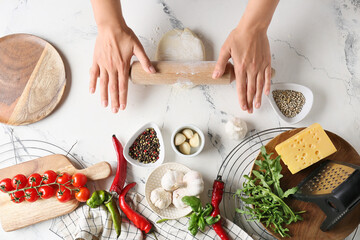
(305,148)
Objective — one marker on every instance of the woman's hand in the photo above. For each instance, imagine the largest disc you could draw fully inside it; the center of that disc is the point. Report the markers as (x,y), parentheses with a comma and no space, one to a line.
(248,46)
(250,52)
(114,48)
(115,44)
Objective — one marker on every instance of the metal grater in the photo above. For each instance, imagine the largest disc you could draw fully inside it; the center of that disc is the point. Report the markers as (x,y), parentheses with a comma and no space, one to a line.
(334,187)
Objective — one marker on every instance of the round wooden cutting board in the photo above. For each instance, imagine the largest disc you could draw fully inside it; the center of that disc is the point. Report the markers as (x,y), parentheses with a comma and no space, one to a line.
(32,79)
(309,228)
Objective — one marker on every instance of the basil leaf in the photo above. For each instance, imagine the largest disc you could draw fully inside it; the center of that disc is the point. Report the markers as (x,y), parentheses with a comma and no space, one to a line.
(201,223)
(207,210)
(193,202)
(193,224)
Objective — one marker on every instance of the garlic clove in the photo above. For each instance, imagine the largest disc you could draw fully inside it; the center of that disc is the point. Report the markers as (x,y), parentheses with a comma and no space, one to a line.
(179,139)
(185,148)
(188,133)
(195,140)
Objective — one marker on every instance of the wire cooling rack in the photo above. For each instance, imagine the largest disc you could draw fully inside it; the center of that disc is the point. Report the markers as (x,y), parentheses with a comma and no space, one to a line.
(239,163)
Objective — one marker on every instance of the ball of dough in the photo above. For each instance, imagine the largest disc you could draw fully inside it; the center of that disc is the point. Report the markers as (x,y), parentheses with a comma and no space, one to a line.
(236,128)
(180,45)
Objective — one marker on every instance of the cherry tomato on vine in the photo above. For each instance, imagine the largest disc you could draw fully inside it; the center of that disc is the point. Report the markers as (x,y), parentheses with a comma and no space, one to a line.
(46,192)
(19,181)
(34,180)
(18,196)
(64,178)
(83,194)
(5,185)
(63,194)
(79,180)
(49,177)
(31,195)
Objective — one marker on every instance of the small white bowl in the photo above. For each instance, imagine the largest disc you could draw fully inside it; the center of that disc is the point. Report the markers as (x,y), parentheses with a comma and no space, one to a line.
(309,99)
(154,181)
(194,151)
(133,138)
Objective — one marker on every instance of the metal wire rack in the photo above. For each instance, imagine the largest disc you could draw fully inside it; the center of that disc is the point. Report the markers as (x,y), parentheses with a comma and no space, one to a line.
(239,163)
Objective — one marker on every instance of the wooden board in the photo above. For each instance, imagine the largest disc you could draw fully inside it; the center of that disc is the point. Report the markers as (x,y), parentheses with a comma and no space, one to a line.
(309,228)
(14,216)
(32,79)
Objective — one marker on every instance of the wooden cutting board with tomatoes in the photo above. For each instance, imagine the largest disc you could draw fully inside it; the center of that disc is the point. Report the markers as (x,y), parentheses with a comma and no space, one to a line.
(18,215)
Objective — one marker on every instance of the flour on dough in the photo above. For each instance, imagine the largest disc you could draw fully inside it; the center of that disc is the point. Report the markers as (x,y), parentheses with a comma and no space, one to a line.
(180,45)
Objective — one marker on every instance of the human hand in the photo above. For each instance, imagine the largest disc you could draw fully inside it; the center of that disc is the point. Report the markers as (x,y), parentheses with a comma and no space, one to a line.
(250,52)
(114,48)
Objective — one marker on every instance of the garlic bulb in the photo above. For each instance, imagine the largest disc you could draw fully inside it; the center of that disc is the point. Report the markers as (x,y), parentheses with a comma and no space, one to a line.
(177,197)
(194,183)
(160,198)
(172,180)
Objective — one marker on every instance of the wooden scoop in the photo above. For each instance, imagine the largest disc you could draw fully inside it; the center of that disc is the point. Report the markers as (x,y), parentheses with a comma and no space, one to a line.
(171,72)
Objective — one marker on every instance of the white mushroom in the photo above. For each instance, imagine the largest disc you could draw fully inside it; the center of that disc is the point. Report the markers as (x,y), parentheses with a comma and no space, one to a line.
(160,198)
(172,180)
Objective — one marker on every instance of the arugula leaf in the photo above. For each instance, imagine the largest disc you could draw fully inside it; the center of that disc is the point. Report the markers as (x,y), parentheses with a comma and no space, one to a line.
(264,193)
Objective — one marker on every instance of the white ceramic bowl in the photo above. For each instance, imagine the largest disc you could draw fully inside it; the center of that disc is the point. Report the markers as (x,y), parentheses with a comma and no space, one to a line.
(154,181)
(309,99)
(194,151)
(133,138)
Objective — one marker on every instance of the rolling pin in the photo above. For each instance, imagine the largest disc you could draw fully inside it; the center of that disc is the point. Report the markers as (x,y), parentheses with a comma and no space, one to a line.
(171,72)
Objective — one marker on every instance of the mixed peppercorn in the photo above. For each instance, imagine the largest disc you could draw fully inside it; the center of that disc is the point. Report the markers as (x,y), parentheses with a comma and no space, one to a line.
(146,147)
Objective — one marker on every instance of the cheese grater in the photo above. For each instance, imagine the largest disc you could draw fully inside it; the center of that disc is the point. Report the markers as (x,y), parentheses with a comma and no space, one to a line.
(334,187)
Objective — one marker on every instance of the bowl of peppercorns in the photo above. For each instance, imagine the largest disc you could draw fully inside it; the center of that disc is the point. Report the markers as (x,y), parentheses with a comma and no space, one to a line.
(146,147)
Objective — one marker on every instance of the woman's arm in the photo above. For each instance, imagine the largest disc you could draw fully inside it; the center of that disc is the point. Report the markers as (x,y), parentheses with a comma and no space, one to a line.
(115,44)
(248,46)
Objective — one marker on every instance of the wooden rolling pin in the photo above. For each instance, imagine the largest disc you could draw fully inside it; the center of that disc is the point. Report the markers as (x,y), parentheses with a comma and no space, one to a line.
(171,72)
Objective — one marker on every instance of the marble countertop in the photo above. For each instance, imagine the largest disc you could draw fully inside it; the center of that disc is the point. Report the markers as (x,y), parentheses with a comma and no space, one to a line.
(316,44)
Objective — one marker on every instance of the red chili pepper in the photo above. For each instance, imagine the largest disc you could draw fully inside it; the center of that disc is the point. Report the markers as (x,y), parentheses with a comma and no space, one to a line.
(217,194)
(139,221)
(120,176)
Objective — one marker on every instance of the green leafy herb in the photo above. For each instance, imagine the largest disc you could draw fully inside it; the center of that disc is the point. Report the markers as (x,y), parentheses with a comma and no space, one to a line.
(264,193)
(200,216)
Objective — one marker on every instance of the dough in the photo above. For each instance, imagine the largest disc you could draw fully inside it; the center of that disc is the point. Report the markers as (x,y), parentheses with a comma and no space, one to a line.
(236,128)
(180,45)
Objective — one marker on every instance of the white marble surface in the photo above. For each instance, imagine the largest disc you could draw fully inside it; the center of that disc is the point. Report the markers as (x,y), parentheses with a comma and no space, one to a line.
(315,43)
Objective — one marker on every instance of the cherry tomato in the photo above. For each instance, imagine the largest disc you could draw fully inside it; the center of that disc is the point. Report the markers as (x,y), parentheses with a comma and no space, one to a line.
(5,185)
(31,195)
(49,177)
(63,194)
(83,194)
(34,180)
(18,196)
(46,192)
(19,181)
(64,178)
(79,180)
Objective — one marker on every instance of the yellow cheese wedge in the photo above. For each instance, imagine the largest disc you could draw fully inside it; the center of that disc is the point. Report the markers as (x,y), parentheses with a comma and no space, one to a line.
(305,148)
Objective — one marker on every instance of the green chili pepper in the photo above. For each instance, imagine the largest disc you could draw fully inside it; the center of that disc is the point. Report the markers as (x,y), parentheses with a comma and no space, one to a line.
(103,197)
(97,198)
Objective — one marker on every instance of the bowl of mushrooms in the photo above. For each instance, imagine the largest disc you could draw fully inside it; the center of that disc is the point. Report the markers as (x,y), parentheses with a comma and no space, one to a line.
(167,185)
(187,140)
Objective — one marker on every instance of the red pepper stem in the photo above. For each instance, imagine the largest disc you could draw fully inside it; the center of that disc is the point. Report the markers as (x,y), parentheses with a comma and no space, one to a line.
(139,221)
